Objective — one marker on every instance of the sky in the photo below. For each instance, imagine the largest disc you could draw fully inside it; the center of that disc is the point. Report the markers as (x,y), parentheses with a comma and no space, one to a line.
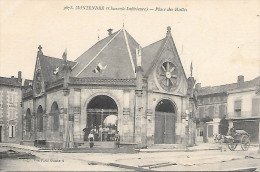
(221,38)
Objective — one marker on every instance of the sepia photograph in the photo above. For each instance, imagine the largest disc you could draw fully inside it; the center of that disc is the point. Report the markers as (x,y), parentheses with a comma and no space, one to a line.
(120,85)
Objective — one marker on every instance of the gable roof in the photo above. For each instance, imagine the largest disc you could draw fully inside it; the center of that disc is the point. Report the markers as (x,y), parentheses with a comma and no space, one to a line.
(49,65)
(150,52)
(116,53)
(228,87)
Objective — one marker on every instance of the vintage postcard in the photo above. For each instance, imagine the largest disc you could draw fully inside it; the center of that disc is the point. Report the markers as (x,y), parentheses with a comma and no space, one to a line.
(129,85)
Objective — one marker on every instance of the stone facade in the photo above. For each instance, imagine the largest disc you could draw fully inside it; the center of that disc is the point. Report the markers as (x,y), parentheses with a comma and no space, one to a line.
(149,102)
(10,109)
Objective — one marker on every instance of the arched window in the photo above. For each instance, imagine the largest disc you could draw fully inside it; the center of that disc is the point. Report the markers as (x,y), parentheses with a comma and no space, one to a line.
(55,113)
(40,119)
(28,119)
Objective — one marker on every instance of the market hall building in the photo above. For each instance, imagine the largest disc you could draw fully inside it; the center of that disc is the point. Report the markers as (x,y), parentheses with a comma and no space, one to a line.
(114,86)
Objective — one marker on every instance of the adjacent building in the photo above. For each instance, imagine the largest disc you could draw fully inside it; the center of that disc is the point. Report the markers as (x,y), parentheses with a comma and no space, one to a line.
(244,107)
(116,85)
(239,102)
(10,108)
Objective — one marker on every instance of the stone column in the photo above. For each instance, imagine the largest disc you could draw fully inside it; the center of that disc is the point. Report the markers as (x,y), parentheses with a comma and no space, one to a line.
(140,115)
(66,118)
(138,118)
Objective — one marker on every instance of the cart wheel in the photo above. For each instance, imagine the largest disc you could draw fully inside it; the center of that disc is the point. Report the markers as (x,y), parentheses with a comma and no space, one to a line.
(245,142)
(231,145)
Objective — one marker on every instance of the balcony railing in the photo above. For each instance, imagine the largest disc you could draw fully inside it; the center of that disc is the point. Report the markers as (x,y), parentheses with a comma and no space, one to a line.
(243,114)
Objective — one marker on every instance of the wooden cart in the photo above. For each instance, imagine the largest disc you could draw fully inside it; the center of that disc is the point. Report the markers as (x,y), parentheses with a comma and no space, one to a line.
(240,136)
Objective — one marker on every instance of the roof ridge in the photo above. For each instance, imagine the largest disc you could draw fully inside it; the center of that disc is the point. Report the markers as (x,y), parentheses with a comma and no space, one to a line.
(157,54)
(153,43)
(218,85)
(129,52)
(97,43)
(98,53)
(231,83)
(57,58)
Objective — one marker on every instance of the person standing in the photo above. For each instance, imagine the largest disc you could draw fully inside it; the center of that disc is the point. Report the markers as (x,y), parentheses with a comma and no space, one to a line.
(223,126)
(91,139)
(117,139)
(223,130)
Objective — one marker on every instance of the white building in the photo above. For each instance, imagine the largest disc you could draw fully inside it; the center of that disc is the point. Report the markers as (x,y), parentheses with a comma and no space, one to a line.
(243,107)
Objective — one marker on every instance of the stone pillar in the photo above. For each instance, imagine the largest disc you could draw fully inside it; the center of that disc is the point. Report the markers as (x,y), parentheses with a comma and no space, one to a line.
(66,118)
(191,120)
(68,141)
(138,118)
(140,115)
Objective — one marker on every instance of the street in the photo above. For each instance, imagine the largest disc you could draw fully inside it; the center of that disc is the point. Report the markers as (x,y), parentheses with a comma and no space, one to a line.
(212,160)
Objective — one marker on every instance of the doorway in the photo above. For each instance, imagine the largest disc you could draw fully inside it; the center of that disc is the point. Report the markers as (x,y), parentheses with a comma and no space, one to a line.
(102,113)
(165,120)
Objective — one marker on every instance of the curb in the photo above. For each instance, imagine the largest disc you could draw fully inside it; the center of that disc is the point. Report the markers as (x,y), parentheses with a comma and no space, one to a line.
(176,150)
(28,149)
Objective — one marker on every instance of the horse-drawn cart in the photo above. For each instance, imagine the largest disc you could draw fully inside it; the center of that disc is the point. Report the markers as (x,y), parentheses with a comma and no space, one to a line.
(239,136)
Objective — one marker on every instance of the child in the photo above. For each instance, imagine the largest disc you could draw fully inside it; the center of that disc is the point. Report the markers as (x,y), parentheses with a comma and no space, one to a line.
(117,139)
(91,139)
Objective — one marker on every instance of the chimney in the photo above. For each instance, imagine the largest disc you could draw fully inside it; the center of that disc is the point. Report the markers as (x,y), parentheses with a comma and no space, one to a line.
(20,76)
(240,79)
(110,31)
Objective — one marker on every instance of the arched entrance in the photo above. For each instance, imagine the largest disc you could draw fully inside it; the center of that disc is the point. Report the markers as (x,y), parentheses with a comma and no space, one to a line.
(102,112)
(28,119)
(40,119)
(55,113)
(164,132)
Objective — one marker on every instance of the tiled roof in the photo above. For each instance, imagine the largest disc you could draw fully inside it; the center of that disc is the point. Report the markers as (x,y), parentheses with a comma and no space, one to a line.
(228,87)
(49,65)
(116,53)
(150,52)
(9,81)
(251,83)
(216,89)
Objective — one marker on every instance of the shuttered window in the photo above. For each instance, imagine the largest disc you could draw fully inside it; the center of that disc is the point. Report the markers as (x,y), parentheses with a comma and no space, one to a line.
(222,111)
(237,107)
(256,106)
(211,111)
(201,112)
(11,130)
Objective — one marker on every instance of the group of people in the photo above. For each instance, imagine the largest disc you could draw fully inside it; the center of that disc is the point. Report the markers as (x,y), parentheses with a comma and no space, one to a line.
(91,138)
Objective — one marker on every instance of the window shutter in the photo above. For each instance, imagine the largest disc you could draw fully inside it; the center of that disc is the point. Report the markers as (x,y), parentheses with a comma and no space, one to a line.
(14,133)
(255,106)
(222,111)
(10,130)
(211,111)
(237,104)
